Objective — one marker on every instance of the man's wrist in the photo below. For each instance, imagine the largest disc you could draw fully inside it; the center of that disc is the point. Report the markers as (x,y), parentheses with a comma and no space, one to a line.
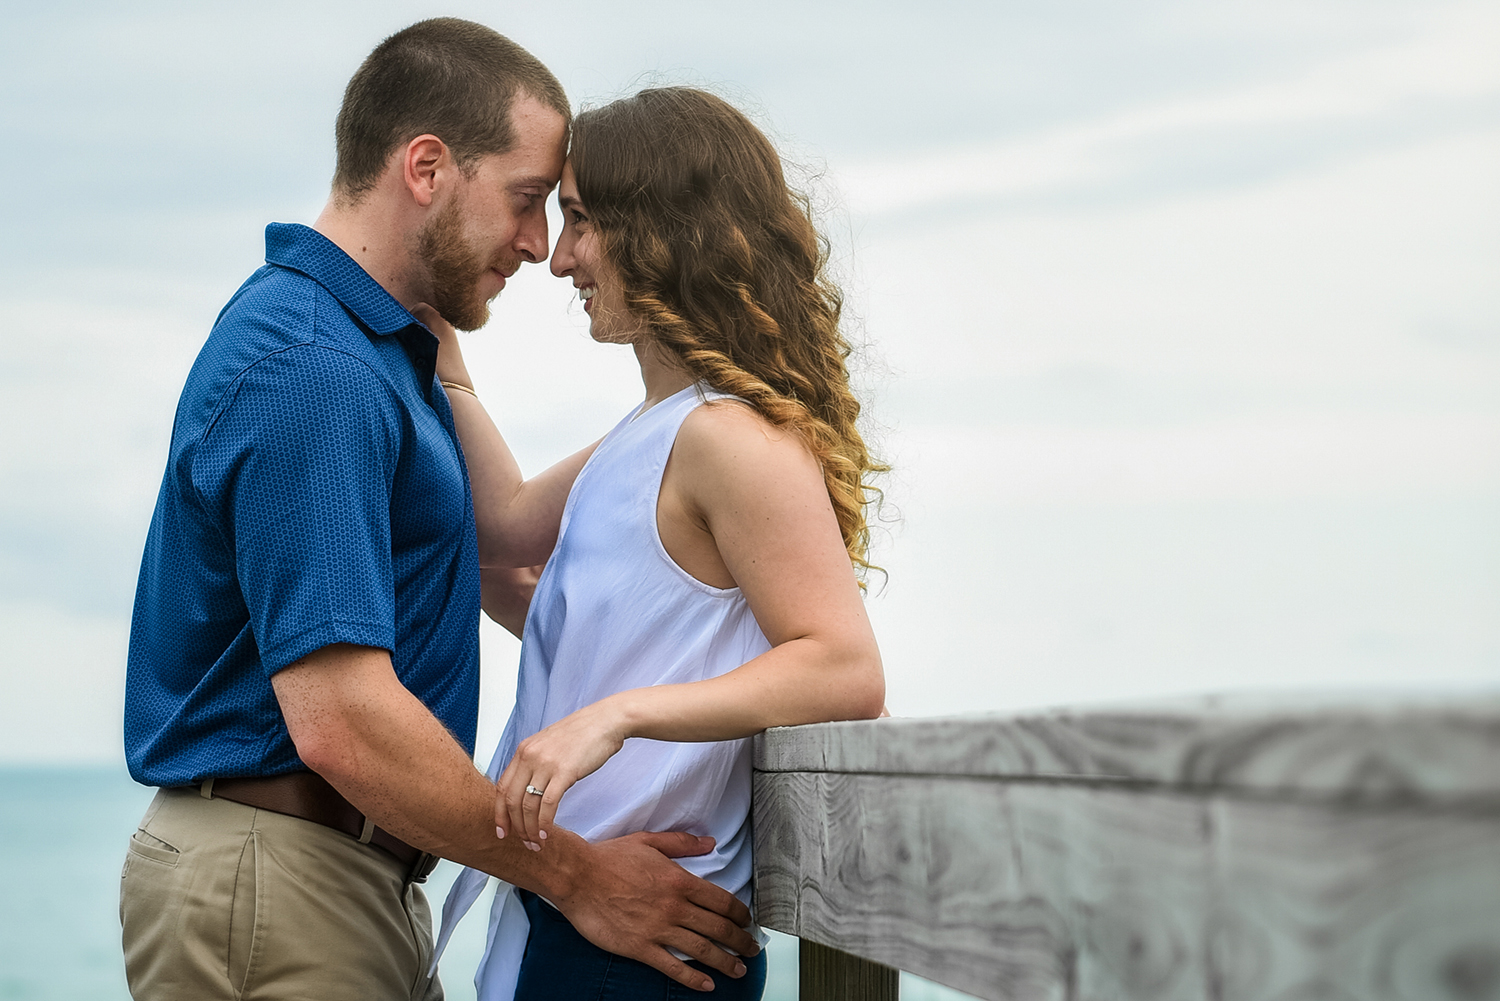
(562,866)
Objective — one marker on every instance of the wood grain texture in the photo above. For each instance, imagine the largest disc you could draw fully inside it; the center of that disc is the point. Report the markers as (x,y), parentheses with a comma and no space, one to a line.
(1075,891)
(826,974)
(1370,750)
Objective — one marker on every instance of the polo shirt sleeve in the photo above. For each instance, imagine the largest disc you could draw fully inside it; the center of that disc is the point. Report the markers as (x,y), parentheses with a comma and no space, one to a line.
(297,469)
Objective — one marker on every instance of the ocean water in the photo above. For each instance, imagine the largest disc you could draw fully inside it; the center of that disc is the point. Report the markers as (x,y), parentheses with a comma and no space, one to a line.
(63,831)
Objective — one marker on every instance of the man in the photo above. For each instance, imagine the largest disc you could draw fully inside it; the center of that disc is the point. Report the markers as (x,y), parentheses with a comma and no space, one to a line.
(303,674)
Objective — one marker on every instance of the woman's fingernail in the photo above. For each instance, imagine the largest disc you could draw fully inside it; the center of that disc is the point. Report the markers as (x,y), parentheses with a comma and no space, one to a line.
(499,832)
(739,969)
(542,835)
(533,846)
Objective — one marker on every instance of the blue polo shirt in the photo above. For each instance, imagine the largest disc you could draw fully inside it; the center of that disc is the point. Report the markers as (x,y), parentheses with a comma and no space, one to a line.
(315,493)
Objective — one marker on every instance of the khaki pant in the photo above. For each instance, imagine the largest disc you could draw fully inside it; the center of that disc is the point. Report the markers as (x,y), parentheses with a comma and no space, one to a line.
(219,900)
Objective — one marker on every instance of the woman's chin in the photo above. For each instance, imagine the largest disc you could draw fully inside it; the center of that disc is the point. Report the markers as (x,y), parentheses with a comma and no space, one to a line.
(604,335)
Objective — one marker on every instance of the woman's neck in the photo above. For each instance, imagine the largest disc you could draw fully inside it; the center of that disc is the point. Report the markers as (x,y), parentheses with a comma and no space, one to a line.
(661,372)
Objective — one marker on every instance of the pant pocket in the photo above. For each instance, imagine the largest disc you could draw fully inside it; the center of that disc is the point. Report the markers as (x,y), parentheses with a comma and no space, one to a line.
(244,909)
(146,846)
(419,921)
(150,900)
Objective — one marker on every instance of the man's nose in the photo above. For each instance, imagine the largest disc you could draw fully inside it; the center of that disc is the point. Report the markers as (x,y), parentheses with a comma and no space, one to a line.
(531,240)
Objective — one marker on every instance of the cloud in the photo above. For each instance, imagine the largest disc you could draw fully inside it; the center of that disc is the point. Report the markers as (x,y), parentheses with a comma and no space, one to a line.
(1310,457)
(1455,64)
(1126,269)
(63,683)
(1319,282)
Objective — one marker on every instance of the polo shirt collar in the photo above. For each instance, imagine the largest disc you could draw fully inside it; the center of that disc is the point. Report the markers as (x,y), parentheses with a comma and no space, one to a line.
(305,250)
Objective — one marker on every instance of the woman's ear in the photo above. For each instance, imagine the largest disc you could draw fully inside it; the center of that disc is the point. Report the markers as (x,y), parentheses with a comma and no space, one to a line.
(422,161)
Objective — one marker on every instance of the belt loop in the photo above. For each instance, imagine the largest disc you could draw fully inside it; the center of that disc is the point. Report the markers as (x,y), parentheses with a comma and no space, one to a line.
(206,788)
(367,832)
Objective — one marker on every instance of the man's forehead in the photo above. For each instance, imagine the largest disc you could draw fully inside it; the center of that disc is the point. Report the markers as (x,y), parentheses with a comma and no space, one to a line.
(538,123)
(532,180)
(541,137)
(527,165)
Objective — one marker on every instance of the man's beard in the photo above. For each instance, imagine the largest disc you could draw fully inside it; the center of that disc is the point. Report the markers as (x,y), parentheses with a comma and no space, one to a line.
(455,269)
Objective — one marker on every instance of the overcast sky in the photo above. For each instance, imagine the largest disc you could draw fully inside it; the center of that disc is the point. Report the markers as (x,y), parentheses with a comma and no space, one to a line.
(1183,319)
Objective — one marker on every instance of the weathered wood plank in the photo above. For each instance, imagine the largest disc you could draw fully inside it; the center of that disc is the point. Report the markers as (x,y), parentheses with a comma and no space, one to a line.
(1388,749)
(1069,891)
(826,974)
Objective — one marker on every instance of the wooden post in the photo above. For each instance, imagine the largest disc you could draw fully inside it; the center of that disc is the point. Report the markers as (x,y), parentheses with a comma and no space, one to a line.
(831,975)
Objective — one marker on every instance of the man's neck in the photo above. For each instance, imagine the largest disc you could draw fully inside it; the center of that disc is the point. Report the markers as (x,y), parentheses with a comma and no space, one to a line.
(381,248)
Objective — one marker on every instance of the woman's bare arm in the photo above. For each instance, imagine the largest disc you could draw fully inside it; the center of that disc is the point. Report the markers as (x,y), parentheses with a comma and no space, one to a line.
(516,518)
(760,495)
(505,594)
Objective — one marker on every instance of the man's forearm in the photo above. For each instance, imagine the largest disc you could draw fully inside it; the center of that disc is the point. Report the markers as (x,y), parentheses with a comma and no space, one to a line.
(357,726)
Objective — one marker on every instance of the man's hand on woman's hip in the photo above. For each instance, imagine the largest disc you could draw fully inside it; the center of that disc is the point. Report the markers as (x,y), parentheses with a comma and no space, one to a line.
(634,901)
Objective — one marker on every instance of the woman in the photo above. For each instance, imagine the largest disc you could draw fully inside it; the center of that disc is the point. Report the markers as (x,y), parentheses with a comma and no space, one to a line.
(703,586)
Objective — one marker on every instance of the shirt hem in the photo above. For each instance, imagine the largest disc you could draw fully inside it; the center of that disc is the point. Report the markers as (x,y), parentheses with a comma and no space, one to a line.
(288,652)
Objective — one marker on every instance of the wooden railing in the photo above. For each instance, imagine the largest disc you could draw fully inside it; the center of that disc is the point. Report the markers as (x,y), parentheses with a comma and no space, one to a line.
(1234,850)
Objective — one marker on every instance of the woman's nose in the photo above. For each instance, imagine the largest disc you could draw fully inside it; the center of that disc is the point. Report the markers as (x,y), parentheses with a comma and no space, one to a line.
(562,258)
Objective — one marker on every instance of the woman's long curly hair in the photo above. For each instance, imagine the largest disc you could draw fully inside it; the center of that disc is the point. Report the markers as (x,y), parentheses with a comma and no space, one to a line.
(720,259)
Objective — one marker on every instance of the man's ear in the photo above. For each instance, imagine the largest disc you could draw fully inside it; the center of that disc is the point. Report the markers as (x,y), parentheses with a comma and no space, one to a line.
(422,161)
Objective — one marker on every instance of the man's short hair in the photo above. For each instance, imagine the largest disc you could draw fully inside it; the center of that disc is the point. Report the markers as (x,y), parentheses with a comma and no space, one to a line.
(452,78)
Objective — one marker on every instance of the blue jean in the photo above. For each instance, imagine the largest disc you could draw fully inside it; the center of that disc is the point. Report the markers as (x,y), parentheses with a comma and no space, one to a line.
(562,965)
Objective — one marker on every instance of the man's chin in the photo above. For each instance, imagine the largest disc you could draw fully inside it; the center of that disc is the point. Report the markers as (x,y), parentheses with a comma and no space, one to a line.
(479,314)
(468,317)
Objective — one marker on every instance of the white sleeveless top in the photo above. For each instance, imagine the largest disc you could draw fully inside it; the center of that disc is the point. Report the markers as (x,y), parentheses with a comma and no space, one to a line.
(611,612)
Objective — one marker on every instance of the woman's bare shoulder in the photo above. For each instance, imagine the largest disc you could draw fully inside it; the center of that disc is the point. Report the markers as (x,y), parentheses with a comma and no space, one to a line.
(730,438)
(723,423)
